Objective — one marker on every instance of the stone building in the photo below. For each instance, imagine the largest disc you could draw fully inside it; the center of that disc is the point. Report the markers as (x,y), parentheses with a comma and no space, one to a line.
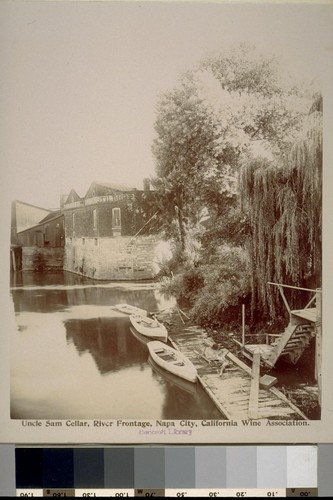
(108,234)
(105,236)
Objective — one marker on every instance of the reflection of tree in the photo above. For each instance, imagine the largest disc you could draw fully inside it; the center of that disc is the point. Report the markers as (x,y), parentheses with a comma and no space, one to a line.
(108,340)
(182,399)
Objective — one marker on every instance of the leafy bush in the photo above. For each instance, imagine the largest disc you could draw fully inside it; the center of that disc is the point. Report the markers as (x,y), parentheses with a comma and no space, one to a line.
(184,286)
(226,285)
(214,291)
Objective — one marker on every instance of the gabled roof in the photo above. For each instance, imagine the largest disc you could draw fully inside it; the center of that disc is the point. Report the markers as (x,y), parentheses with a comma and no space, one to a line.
(114,187)
(50,217)
(72,197)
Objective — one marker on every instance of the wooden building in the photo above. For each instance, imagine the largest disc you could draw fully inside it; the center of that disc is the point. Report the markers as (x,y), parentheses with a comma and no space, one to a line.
(24,216)
(49,232)
(37,236)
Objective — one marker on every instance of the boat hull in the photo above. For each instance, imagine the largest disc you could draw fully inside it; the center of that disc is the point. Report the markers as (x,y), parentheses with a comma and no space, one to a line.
(172,361)
(149,327)
(176,381)
(141,338)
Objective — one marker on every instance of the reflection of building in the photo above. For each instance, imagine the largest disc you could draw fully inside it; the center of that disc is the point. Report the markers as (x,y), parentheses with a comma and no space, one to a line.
(102,235)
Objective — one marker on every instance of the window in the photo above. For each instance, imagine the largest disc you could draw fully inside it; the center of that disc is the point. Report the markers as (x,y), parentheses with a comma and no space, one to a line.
(116,220)
(47,236)
(95,218)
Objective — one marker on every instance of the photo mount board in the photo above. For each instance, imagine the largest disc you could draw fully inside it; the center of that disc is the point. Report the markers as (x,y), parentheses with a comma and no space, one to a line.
(25,431)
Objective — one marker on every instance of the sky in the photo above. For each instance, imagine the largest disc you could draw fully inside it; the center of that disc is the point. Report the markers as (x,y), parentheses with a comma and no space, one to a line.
(80,81)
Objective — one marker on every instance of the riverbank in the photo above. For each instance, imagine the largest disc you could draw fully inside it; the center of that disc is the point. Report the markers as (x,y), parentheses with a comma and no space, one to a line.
(293,381)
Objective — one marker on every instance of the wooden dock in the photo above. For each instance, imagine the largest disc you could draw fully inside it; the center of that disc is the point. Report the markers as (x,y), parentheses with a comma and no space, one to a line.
(304,324)
(237,390)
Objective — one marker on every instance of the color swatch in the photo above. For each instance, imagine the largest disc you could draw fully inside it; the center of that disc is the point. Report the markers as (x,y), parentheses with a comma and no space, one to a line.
(166,471)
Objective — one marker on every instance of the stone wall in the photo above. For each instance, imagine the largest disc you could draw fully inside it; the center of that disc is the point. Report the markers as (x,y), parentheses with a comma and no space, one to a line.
(122,258)
(45,258)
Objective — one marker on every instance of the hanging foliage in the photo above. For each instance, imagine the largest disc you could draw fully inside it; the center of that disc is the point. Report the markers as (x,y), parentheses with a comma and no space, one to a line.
(283,202)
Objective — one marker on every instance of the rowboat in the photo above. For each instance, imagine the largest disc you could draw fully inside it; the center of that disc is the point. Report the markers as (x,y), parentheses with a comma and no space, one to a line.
(149,327)
(174,380)
(172,360)
(128,309)
(141,338)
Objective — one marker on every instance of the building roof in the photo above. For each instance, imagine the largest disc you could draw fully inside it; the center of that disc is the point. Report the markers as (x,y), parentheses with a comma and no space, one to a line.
(72,196)
(33,206)
(116,187)
(50,217)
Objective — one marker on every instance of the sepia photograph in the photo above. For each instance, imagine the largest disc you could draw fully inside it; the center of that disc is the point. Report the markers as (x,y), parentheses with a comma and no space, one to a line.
(165,221)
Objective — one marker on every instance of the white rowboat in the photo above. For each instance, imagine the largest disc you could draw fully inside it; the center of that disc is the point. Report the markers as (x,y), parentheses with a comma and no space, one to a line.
(172,360)
(176,381)
(141,338)
(149,327)
(128,309)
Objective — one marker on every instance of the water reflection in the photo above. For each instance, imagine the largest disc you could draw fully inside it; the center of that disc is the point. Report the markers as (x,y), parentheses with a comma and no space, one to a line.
(33,296)
(73,356)
(108,342)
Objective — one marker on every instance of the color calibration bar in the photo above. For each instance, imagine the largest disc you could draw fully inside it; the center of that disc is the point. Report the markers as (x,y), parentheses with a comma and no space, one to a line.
(177,493)
(184,471)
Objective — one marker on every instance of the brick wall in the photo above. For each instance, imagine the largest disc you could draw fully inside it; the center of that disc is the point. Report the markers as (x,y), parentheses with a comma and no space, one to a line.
(83,222)
(122,258)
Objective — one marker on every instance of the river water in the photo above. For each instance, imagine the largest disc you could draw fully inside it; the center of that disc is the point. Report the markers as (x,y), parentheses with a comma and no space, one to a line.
(73,356)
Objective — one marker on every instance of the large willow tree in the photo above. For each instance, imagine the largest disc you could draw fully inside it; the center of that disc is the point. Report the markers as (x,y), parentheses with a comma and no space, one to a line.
(283,201)
(213,130)
(205,127)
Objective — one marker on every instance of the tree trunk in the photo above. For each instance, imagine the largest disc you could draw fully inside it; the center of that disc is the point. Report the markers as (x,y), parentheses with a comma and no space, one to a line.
(182,232)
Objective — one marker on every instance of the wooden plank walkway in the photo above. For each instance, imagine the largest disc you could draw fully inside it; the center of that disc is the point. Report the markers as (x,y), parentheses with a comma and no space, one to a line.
(231,390)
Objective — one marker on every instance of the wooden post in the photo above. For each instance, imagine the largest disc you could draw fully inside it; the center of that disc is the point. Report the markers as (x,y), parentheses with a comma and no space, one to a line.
(318,344)
(180,315)
(254,390)
(284,299)
(243,324)
(13,259)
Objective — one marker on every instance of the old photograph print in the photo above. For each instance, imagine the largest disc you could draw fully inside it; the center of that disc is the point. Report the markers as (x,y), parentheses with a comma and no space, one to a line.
(164,186)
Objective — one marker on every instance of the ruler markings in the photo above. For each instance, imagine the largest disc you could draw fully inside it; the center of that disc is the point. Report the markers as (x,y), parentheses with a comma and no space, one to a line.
(169,492)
